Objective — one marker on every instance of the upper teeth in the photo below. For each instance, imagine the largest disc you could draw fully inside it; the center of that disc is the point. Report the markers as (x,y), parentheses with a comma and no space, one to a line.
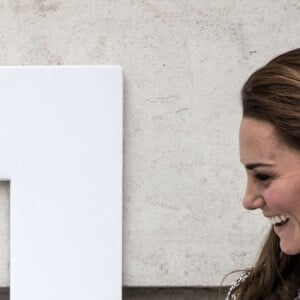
(277,219)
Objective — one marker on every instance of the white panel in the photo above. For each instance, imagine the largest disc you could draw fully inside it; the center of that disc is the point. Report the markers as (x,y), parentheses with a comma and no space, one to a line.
(61,148)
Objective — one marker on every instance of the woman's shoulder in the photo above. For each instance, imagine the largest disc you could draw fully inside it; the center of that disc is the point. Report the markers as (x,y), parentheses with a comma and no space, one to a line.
(238,281)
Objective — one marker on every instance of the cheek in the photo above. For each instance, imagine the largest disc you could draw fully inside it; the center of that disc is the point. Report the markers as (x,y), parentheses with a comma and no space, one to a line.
(273,199)
(283,199)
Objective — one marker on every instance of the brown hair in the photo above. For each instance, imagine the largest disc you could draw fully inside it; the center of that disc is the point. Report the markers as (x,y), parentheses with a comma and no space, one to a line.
(272,94)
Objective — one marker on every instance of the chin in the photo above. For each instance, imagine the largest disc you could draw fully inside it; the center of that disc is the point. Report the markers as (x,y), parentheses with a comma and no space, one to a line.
(290,250)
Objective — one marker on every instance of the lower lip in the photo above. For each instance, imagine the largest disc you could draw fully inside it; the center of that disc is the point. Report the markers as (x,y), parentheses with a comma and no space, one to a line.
(280,228)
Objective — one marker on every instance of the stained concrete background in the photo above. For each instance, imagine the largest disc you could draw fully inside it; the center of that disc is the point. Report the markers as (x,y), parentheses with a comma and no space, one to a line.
(184,63)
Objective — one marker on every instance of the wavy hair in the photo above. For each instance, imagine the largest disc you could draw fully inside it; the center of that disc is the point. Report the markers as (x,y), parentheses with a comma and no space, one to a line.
(272,94)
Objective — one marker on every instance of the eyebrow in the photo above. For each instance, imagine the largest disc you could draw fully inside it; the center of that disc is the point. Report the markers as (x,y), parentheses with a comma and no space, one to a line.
(256,165)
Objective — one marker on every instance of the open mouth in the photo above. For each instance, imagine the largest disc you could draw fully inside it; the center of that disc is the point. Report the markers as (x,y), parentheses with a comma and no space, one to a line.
(281,223)
(278,220)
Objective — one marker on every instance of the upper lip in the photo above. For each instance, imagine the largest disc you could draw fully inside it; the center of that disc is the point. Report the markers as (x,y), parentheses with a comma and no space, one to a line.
(269,216)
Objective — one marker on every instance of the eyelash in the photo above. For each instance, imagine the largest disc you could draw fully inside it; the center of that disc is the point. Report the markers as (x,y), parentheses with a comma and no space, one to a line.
(262,177)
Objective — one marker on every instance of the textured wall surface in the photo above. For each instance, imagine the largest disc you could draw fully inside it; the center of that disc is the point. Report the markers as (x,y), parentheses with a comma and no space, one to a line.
(184,63)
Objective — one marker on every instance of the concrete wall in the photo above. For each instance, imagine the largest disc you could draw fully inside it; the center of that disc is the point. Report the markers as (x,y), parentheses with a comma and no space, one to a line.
(184,63)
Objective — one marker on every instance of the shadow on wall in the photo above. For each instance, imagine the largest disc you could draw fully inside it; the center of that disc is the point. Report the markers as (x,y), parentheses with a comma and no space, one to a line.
(4,293)
(160,293)
(174,293)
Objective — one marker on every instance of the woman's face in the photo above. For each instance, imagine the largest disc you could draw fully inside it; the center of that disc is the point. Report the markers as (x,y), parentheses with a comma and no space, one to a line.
(273,180)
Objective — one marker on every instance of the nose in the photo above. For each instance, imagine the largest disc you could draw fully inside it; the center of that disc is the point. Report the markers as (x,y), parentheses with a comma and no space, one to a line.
(253,198)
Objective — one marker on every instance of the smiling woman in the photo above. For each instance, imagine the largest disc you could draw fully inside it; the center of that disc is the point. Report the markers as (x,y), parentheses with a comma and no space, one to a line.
(270,151)
(273,183)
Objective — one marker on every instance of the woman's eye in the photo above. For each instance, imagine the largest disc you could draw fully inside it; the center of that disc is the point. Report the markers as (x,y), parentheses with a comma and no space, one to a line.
(262,177)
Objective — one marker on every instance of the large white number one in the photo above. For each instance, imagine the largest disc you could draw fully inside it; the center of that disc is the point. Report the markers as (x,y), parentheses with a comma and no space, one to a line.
(61,149)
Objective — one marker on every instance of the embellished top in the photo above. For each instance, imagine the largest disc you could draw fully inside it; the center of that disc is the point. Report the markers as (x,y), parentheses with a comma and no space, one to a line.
(241,279)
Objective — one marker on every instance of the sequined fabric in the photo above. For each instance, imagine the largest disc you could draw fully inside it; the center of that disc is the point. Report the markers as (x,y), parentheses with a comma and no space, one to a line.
(236,283)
